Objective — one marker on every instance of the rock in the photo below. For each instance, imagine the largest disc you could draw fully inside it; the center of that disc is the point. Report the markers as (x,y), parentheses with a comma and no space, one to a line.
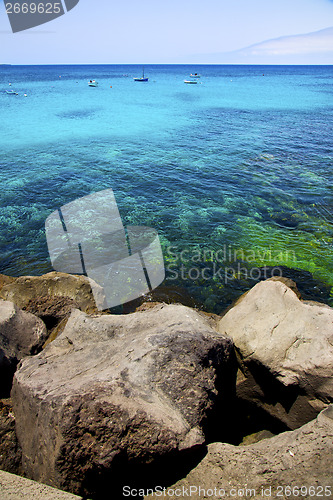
(288,282)
(17,488)
(167,294)
(114,393)
(10,452)
(5,280)
(256,437)
(299,459)
(309,287)
(286,352)
(52,297)
(51,294)
(56,331)
(21,334)
(52,310)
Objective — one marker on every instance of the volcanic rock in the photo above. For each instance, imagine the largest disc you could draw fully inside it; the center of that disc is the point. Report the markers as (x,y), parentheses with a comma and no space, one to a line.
(43,293)
(285,351)
(114,393)
(295,464)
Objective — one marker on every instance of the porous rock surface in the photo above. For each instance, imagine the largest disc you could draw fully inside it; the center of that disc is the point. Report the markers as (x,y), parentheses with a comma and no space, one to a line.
(295,464)
(285,348)
(114,390)
(14,487)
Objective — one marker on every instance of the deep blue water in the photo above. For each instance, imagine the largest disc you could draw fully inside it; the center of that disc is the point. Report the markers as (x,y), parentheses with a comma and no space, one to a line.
(235,172)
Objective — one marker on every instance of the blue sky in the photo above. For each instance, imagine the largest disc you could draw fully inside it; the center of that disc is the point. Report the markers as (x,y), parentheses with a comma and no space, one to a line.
(173,31)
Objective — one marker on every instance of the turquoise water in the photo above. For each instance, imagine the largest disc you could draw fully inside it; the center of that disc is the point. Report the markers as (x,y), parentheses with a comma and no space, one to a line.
(235,173)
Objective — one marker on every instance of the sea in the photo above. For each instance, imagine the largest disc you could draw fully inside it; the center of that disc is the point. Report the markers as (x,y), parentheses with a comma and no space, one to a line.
(234,172)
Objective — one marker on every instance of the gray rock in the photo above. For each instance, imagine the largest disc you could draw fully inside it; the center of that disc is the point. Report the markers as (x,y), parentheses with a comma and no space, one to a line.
(299,460)
(286,352)
(21,334)
(115,390)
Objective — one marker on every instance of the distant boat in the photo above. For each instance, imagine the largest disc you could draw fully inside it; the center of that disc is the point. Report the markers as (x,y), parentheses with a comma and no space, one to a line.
(196,75)
(191,81)
(93,83)
(11,92)
(141,78)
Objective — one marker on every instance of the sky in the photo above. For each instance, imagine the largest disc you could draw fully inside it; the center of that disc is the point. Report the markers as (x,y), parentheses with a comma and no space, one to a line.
(176,31)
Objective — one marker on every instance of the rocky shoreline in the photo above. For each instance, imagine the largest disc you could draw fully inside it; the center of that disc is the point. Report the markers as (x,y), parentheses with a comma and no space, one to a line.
(166,396)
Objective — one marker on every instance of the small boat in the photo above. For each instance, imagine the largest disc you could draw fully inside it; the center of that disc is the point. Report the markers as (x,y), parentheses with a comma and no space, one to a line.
(11,92)
(141,78)
(196,75)
(93,83)
(191,81)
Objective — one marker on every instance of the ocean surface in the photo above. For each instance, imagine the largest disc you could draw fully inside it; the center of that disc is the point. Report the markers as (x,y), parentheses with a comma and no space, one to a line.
(235,173)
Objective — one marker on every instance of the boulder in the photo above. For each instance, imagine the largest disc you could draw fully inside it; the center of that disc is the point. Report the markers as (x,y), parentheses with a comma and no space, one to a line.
(289,283)
(5,280)
(114,393)
(295,464)
(285,349)
(21,334)
(52,310)
(52,294)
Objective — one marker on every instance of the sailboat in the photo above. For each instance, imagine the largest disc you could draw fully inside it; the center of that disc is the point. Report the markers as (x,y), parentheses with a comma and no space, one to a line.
(141,78)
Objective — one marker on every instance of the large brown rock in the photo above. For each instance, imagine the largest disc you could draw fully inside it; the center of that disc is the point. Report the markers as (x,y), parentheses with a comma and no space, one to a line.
(5,280)
(120,391)
(285,348)
(21,334)
(295,464)
(44,293)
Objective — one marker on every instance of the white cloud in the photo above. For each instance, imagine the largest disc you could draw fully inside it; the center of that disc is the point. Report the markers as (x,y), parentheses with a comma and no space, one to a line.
(319,42)
(310,48)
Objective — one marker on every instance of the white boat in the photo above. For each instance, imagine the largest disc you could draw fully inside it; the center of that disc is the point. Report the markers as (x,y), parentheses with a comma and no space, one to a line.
(93,83)
(11,92)
(141,78)
(191,81)
(195,75)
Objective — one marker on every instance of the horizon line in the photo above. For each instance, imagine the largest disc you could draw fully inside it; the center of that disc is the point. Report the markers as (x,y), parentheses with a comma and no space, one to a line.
(162,64)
